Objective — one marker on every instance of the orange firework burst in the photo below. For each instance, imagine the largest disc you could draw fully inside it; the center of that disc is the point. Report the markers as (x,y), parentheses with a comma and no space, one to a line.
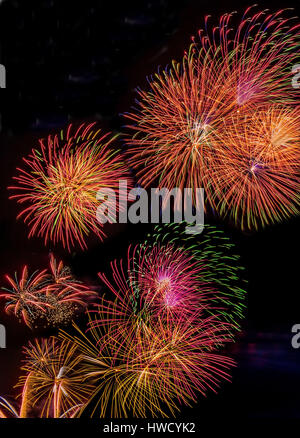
(255,176)
(51,299)
(52,381)
(176,126)
(61,182)
(150,369)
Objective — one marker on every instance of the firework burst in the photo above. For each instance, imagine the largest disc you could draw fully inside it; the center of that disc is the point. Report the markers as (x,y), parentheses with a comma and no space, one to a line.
(176,303)
(185,127)
(51,380)
(168,281)
(176,126)
(257,57)
(151,369)
(47,298)
(61,181)
(163,280)
(216,284)
(255,176)
(23,298)
(65,295)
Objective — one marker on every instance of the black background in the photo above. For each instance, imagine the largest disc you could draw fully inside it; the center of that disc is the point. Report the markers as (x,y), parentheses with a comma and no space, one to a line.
(80,61)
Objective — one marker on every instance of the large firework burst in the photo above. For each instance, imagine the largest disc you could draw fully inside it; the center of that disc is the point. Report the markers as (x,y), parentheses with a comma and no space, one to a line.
(186,124)
(175,127)
(163,280)
(61,181)
(177,301)
(150,369)
(159,283)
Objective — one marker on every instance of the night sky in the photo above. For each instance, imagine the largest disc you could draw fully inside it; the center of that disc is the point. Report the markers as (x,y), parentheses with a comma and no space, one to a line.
(81,61)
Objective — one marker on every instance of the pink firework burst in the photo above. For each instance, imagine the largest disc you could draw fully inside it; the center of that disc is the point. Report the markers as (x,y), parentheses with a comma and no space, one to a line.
(257,57)
(169,280)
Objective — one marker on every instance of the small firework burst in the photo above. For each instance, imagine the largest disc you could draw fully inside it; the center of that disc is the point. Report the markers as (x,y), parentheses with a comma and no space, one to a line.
(65,295)
(61,181)
(47,298)
(24,297)
(51,380)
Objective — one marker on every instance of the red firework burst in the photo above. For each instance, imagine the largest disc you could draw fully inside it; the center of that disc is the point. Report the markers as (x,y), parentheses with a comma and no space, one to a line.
(51,299)
(61,185)
(24,298)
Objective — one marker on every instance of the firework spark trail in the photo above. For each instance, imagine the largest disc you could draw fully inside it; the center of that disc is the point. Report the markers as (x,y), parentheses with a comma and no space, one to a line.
(60,182)
(23,412)
(8,409)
